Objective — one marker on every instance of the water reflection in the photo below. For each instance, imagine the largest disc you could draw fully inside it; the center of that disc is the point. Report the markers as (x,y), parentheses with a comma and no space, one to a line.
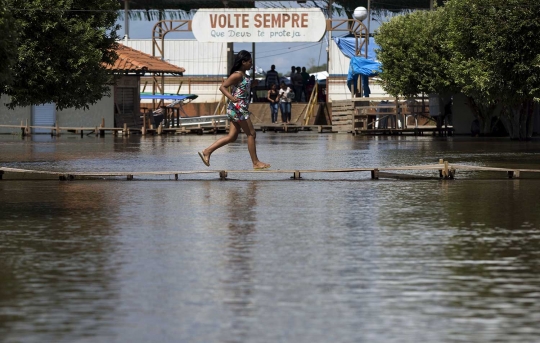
(56,276)
(239,280)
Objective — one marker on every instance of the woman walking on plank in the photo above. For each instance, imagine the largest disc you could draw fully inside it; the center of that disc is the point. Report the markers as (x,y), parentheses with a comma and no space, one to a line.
(237,110)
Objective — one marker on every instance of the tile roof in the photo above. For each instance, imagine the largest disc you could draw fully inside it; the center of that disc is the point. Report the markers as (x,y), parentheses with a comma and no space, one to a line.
(131,60)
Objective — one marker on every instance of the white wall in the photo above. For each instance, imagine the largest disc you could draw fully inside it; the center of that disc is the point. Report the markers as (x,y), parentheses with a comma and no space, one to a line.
(13,117)
(69,117)
(91,117)
(197,58)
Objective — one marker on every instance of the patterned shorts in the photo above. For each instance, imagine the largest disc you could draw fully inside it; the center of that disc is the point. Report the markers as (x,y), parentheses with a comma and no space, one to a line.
(238,111)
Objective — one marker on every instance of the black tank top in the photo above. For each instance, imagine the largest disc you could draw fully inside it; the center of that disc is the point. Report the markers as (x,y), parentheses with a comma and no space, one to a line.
(273,95)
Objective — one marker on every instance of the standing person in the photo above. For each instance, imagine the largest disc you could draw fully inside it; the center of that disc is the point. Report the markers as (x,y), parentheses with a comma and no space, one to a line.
(285,99)
(272,77)
(298,85)
(293,71)
(237,110)
(273,99)
(305,80)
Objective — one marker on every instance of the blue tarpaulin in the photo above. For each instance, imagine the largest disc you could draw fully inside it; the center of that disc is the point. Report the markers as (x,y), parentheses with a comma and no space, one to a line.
(347,45)
(359,66)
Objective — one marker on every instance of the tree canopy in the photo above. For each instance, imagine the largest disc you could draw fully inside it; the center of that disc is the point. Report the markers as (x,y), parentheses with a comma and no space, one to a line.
(488,50)
(60,51)
(8,44)
(413,54)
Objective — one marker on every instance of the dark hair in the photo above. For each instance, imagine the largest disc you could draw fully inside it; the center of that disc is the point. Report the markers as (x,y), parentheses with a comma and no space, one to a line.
(242,56)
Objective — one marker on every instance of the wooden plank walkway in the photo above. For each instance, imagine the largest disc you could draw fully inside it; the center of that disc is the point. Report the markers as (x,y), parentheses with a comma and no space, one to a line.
(444,168)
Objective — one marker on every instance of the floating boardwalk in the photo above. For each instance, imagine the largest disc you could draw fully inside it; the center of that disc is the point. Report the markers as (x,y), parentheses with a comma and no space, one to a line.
(444,168)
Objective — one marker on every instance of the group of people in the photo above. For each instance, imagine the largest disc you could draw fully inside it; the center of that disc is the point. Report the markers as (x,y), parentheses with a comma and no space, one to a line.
(282,98)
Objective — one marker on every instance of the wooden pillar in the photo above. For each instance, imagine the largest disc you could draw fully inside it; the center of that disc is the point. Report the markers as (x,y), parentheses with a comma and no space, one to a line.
(130,177)
(375,174)
(102,126)
(296,175)
(1,174)
(223,175)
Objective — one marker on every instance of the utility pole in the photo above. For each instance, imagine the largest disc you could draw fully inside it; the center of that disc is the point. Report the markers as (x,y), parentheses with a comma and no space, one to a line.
(126,19)
(368,19)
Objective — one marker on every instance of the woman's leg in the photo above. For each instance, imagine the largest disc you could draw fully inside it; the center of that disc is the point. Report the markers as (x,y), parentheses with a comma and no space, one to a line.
(283,112)
(249,130)
(231,137)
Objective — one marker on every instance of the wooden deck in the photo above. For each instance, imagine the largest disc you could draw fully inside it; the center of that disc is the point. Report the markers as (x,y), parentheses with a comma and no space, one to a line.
(443,170)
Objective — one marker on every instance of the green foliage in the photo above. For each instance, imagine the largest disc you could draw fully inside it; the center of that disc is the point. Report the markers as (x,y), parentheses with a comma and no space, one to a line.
(487,49)
(496,56)
(62,47)
(496,49)
(8,44)
(413,54)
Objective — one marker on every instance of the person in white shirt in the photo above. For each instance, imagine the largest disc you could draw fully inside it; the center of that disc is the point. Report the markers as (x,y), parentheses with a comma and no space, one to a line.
(285,98)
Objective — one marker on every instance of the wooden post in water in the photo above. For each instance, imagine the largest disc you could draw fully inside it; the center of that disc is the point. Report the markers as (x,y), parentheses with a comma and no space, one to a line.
(160,129)
(296,175)
(102,126)
(57,130)
(223,175)
(1,174)
(513,174)
(441,161)
(375,174)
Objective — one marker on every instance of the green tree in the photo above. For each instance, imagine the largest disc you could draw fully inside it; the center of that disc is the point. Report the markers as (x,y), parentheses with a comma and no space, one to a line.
(413,54)
(8,44)
(62,48)
(496,56)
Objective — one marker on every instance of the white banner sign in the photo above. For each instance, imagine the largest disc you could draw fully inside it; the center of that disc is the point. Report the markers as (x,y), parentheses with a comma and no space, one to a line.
(259,25)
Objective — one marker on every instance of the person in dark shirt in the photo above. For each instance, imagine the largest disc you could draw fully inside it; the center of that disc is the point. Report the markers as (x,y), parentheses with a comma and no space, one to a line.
(298,85)
(272,77)
(305,80)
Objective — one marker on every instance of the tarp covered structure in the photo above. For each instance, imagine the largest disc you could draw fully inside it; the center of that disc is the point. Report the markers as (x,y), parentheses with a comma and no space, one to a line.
(359,66)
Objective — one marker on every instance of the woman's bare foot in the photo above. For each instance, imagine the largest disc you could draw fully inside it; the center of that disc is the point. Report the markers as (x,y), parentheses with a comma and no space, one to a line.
(261,165)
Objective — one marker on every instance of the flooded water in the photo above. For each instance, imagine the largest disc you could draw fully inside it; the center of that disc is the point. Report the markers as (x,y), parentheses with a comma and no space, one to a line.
(262,257)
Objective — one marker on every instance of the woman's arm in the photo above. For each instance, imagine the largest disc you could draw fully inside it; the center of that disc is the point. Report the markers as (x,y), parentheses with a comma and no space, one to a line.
(268,97)
(234,79)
